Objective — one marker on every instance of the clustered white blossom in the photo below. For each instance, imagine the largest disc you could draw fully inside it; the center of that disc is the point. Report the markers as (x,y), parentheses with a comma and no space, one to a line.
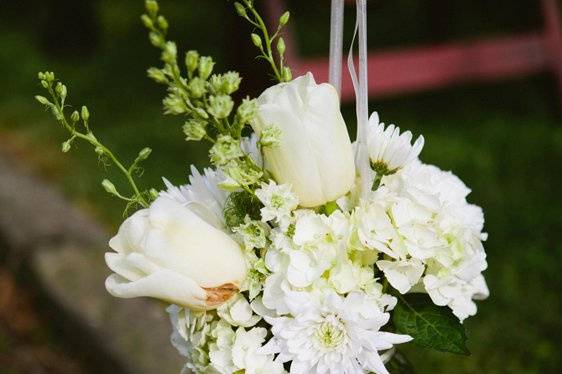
(302,288)
(317,280)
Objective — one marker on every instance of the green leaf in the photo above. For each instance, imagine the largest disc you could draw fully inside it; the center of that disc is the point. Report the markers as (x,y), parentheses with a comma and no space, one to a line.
(238,205)
(430,325)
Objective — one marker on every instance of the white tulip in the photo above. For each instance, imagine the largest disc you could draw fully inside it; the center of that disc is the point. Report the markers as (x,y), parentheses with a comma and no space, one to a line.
(168,252)
(314,154)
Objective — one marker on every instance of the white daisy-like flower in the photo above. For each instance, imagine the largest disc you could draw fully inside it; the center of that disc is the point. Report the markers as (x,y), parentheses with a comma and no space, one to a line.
(190,335)
(278,200)
(388,149)
(202,195)
(332,334)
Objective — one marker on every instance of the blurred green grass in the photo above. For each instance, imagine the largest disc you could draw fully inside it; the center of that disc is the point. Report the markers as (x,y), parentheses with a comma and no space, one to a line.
(503,139)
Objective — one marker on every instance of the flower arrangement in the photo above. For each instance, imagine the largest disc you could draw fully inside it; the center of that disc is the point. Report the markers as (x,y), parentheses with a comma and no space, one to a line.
(285,255)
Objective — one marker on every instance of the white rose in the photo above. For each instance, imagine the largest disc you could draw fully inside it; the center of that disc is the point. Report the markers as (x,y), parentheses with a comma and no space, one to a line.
(168,252)
(314,154)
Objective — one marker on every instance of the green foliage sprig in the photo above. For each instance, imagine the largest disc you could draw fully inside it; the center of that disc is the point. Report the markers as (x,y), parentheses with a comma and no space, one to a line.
(204,99)
(265,42)
(57,104)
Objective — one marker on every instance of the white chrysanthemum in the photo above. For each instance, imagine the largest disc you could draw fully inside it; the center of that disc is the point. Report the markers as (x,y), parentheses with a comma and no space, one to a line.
(202,195)
(332,334)
(278,200)
(388,148)
(190,335)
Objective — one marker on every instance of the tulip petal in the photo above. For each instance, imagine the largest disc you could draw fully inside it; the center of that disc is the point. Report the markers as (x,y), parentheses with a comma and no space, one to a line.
(163,284)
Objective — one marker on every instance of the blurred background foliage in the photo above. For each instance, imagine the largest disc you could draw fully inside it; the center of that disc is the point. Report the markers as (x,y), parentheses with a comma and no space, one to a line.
(503,139)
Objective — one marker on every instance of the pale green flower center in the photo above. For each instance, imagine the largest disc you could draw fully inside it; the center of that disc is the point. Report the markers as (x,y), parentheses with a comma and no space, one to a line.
(331,332)
(277,201)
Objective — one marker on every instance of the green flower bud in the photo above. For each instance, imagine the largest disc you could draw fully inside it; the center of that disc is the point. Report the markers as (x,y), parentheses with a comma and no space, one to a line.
(225,150)
(144,154)
(45,84)
(146,21)
(85,114)
(61,90)
(170,52)
(194,129)
(162,23)
(157,75)
(206,65)
(281,46)
(270,136)
(231,82)
(174,104)
(109,187)
(191,61)
(284,18)
(243,172)
(256,40)
(41,75)
(220,106)
(75,116)
(42,99)
(66,146)
(153,193)
(240,9)
(156,39)
(287,75)
(225,83)
(247,110)
(197,87)
(151,7)
(201,113)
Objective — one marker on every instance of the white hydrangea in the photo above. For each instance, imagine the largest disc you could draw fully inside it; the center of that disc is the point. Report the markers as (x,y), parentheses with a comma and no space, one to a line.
(328,333)
(428,234)
(240,350)
(237,312)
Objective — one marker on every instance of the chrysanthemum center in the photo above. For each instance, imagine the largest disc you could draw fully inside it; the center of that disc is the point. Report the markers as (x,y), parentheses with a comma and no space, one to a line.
(382,168)
(331,332)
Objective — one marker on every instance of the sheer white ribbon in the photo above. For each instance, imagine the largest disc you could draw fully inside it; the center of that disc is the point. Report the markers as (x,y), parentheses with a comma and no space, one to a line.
(360,86)
(336,43)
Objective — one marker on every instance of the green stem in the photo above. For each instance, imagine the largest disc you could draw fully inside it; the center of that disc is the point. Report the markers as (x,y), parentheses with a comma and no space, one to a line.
(267,40)
(90,138)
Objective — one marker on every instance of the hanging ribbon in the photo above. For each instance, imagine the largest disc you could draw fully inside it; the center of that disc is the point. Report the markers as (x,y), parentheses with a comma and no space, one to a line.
(360,81)
(336,43)
(360,86)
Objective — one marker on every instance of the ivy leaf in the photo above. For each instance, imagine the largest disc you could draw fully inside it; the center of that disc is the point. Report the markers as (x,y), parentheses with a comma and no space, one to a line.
(430,325)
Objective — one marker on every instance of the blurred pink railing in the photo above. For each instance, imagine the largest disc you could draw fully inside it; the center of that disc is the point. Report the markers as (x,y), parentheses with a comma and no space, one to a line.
(421,68)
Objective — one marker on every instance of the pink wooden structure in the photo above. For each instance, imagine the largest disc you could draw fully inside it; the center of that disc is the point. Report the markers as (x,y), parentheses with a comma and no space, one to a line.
(419,68)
